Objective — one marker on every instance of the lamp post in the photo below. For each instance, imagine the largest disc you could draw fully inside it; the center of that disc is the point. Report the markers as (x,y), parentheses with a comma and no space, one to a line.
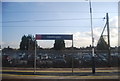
(93,54)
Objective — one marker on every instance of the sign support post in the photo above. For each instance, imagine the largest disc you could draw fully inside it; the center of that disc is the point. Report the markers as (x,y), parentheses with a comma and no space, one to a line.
(35,58)
(72,58)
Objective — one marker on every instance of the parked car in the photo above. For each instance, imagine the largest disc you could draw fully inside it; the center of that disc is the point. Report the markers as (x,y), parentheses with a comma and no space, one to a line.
(20,59)
(7,60)
(86,58)
(59,61)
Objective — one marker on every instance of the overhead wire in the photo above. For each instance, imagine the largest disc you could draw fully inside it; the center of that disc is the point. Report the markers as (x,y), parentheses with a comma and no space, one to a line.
(48,20)
(56,26)
(53,12)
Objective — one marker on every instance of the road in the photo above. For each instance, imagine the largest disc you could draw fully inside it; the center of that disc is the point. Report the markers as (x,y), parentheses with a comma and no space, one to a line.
(60,74)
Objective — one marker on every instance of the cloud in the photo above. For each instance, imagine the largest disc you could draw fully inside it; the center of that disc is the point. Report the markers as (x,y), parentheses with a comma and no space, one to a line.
(114,36)
(114,31)
(46,43)
(13,44)
(114,21)
(81,39)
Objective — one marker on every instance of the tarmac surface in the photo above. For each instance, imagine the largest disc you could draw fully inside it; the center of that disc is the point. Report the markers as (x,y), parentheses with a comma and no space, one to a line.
(59,74)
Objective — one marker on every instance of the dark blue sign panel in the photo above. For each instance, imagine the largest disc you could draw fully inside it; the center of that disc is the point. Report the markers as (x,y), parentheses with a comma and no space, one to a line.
(53,37)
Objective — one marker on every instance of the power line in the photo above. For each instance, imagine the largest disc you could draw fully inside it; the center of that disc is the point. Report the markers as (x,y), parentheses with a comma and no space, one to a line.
(46,26)
(53,12)
(47,20)
(57,26)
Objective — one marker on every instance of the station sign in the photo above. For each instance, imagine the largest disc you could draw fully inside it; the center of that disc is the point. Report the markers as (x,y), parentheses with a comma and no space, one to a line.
(54,36)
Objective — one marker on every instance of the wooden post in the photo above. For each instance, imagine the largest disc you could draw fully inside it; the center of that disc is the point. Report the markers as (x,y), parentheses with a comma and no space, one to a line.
(108,32)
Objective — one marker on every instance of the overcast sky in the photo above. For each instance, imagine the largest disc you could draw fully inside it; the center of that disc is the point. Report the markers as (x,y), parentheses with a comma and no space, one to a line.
(23,18)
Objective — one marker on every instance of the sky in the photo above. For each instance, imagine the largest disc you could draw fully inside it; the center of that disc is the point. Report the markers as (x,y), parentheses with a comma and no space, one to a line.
(23,18)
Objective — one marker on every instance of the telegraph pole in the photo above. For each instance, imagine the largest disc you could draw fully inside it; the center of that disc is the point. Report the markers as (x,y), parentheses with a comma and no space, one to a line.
(93,54)
(108,32)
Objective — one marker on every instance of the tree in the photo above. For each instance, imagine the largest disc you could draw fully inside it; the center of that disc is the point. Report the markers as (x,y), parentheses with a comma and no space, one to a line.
(102,44)
(27,43)
(23,43)
(59,44)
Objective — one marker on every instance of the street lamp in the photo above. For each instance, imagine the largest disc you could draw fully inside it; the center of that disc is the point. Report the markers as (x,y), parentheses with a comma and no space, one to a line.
(93,62)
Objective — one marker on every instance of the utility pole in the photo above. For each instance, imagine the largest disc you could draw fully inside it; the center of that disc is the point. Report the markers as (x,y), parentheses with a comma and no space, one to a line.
(93,54)
(108,32)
